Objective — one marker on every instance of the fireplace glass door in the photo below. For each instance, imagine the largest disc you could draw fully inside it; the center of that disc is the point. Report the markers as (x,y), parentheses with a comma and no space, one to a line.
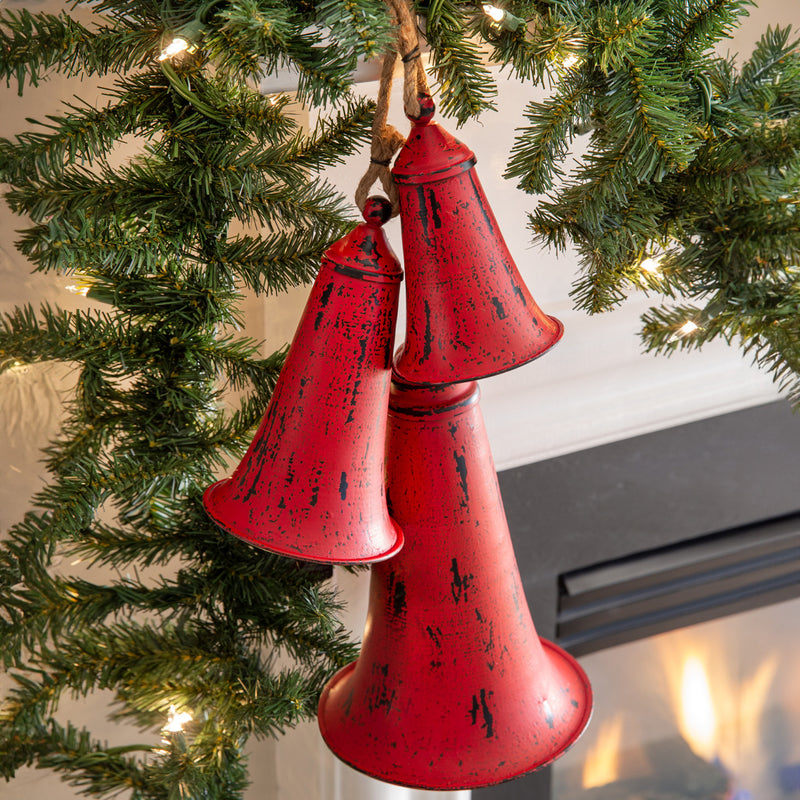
(706,712)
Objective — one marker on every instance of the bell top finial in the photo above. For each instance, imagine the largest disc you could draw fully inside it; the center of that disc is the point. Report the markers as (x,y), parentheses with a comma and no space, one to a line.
(365,252)
(377,210)
(427,108)
(430,153)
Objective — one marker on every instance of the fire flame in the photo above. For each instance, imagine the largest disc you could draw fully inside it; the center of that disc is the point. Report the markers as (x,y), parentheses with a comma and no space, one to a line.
(697,720)
(601,765)
(719,712)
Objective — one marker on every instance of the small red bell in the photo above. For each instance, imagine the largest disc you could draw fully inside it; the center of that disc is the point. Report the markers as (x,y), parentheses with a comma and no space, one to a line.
(311,485)
(469,313)
(453,689)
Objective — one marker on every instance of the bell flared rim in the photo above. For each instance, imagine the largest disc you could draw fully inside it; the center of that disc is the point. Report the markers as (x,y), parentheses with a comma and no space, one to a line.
(415,376)
(574,680)
(319,555)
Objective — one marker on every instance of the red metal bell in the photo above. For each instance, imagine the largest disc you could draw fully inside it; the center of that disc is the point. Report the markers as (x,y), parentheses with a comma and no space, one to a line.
(311,485)
(469,313)
(453,689)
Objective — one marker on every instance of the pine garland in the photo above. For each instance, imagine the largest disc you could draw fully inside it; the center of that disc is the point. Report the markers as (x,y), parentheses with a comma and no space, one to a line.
(145,432)
(689,159)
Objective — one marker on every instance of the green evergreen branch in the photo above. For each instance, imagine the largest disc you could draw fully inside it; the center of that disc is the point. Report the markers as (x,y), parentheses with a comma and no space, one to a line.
(363,27)
(323,71)
(466,86)
(661,138)
(82,133)
(772,69)
(333,139)
(544,143)
(34,44)
(707,21)
(71,749)
(275,262)
(83,243)
(622,31)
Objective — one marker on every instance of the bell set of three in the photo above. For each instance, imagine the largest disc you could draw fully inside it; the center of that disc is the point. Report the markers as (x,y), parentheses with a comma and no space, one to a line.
(369,457)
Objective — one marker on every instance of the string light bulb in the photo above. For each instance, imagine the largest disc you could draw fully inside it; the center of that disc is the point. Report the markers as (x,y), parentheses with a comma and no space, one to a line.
(176,720)
(79,288)
(651,264)
(175,47)
(571,60)
(493,12)
(501,18)
(684,330)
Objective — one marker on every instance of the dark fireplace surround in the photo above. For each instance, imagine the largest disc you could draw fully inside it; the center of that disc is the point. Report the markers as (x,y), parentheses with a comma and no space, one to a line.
(656,532)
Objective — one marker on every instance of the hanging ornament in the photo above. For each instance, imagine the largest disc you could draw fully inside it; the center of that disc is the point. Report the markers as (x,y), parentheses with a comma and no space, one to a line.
(453,689)
(470,314)
(311,485)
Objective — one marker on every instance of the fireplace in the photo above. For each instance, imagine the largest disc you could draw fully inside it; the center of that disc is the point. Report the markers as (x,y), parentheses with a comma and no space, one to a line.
(707,711)
(669,564)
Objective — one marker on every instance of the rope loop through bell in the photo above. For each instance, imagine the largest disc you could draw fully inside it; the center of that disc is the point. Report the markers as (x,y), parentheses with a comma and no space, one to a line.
(386,139)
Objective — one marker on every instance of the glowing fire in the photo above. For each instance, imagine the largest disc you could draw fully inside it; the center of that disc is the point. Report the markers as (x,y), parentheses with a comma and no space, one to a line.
(697,720)
(601,765)
(716,705)
(719,712)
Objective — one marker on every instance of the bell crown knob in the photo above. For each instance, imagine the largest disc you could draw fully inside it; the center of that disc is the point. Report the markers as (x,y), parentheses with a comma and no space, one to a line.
(430,153)
(427,108)
(365,252)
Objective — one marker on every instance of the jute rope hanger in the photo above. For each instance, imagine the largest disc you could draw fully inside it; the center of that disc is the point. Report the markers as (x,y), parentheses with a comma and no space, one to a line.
(386,139)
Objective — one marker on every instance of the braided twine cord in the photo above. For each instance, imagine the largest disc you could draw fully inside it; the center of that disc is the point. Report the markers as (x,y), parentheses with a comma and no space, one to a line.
(386,139)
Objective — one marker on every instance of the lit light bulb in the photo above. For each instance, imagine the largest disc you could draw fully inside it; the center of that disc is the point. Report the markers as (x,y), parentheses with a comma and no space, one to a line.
(177,45)
(79,288)
(571,60)
(176,721)
(493,12)
(501,18)
(12,365)
(684,330)
(651,264)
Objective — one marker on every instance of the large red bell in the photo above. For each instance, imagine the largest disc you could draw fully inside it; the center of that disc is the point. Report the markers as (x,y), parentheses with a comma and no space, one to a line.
(469,313)
(311,484)
(453,689)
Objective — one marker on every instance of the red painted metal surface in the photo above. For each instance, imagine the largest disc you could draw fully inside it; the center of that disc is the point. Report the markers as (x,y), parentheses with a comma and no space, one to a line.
(453,688)
(469,313)
(311,485)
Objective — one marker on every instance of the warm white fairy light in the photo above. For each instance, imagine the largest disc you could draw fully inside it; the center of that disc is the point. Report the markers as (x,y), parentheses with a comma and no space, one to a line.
(176,720)
(78,288)
(651,264)
(493,12)
(684,330)
(571,60)
(13,366)
(176,46)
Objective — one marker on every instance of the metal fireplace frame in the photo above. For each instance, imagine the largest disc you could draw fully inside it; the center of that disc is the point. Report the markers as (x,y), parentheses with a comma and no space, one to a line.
(654,533)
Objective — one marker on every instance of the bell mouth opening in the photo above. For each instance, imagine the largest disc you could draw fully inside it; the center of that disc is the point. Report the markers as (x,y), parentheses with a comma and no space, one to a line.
(305,549)
(390,762)
(407,370)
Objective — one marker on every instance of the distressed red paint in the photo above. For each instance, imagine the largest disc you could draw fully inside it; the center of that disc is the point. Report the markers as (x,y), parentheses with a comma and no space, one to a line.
(470,314)
(311,485)
(453,688)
